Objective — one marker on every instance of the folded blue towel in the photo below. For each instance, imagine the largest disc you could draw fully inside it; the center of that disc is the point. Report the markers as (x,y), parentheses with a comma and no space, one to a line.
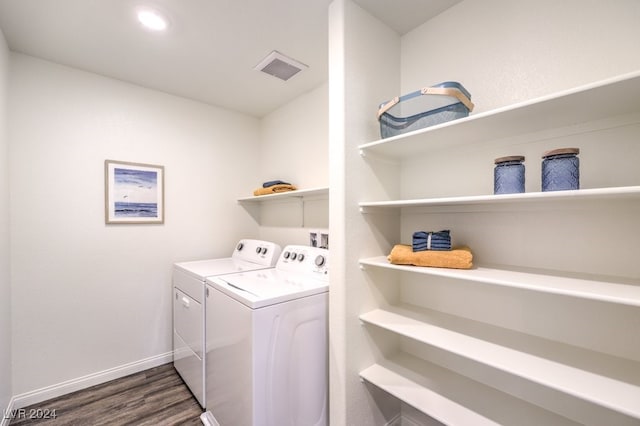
(274,182)
(426,246)
(440,240)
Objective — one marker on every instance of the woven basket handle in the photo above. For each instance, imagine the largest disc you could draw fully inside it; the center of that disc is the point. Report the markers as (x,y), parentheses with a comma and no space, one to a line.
(386,107)
(446,91)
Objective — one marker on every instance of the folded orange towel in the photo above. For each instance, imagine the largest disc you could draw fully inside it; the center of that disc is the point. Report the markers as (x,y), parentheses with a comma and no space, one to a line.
(274,189)
(458,258)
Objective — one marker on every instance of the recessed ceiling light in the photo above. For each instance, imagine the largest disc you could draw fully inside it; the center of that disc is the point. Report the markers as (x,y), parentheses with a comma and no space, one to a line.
(152,20)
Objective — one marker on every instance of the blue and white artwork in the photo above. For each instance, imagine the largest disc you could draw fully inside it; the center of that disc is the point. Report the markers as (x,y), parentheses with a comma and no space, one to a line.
(134,193)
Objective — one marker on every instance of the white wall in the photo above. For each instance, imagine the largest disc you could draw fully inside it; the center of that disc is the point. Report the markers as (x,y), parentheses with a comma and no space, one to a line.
(294,148)
(364,64)
(293,141)
(5,281)
(88,297)
(510,51)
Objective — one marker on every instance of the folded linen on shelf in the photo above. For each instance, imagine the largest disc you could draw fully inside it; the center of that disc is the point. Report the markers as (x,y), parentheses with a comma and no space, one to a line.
(457,258)
(274,182)
(273,189)
(440,240)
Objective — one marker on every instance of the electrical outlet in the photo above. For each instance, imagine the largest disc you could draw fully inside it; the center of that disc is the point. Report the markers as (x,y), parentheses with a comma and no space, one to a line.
(319,238)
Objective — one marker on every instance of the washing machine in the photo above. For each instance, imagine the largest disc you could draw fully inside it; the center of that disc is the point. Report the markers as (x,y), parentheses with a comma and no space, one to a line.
(267,343)
(189,307)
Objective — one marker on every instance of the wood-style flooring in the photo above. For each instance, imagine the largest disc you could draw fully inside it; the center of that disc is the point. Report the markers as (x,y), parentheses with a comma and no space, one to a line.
(157,396)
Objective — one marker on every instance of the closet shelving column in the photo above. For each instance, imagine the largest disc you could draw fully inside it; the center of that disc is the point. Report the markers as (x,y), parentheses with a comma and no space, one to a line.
(604,386)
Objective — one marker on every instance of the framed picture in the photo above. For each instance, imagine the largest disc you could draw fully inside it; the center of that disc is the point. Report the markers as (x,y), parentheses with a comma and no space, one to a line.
(134,192)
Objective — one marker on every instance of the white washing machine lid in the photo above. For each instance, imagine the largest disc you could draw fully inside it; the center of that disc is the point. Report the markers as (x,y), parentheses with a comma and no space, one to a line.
(257,289)
(202,269)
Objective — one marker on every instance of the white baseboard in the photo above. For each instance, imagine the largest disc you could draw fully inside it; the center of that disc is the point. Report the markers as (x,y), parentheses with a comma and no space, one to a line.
(207,419)
(6,414)
(33,397)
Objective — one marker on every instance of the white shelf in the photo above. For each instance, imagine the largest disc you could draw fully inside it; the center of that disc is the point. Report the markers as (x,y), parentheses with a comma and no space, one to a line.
(603,289)
(299,193)
(624,192)
(590,376)
(614,97)
(452,398)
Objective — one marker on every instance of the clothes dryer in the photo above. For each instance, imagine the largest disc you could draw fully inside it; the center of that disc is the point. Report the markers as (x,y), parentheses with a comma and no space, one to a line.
(189,308)
(267,343)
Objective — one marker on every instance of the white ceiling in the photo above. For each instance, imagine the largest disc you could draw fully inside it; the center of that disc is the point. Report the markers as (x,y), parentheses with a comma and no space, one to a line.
(208,53)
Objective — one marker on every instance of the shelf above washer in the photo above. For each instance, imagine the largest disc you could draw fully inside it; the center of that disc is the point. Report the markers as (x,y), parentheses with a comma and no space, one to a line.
(299,193)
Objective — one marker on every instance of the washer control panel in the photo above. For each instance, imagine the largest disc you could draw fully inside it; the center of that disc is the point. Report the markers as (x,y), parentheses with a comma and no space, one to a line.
(257,251)
(304,260)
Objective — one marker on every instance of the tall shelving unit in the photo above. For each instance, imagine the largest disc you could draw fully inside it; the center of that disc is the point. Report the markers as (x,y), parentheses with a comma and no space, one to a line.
(543,329)
(541,362)
(584,374)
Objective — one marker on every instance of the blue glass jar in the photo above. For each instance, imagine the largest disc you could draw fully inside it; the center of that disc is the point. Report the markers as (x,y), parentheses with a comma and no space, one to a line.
(508,175)
(561,169)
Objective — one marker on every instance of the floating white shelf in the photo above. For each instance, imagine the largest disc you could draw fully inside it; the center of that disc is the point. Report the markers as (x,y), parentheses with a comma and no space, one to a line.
(603,289)
(452,398)
(299,193)
(614,97)
(590,376)
(624,192)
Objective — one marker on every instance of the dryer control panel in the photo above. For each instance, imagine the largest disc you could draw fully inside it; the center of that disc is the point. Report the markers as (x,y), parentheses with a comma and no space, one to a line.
(305,260)
(257,251)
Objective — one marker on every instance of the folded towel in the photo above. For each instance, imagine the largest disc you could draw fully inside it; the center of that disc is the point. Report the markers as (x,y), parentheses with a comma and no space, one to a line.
(458,258)
(274,182)
(431,245)
(440,240)
(274,189)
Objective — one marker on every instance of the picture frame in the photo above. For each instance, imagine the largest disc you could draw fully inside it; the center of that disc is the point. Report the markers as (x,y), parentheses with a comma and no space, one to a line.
(134,193)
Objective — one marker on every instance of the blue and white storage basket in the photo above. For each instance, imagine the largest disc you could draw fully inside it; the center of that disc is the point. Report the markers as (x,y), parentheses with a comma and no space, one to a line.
(423,108)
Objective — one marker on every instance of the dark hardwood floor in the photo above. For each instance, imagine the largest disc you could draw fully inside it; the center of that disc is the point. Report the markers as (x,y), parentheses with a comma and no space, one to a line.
(153,397)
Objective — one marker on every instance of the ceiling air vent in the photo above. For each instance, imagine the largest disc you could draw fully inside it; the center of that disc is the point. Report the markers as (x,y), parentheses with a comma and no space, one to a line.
(279,65)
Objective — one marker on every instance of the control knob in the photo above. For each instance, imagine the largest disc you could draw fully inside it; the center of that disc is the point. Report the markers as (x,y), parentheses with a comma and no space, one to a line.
(320,260)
